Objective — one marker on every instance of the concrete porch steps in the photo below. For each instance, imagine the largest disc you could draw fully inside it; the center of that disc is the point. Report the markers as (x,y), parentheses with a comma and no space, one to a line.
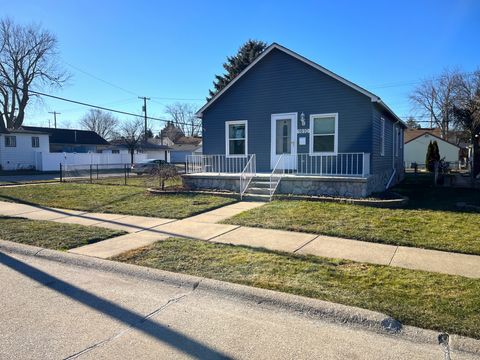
(258,190)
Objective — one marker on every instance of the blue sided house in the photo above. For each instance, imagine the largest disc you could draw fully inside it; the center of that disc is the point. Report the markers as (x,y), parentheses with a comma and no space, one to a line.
(287,125)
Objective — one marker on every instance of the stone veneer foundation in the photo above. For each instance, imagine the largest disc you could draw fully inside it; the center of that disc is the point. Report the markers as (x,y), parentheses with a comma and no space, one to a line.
(353,187)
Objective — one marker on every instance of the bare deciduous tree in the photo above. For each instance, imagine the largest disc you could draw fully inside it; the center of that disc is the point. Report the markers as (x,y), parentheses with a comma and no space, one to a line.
(183,117)
(102,122)
(434,97)
(131,134)
(28,57)
(467,112)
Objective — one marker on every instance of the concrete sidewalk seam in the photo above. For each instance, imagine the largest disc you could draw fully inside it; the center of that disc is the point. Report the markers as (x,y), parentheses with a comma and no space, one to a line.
(393,256)
(226,232)
(308,242)
(152,227)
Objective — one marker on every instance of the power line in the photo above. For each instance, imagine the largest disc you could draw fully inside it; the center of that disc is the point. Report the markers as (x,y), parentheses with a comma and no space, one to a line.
(412,82)
(170,98)
(95,106)
(126,90)
(100,79)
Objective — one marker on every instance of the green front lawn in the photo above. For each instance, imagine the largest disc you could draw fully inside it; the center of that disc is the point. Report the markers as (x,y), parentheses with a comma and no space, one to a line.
(430,220)
(428,300)
(52,235)
(128,200)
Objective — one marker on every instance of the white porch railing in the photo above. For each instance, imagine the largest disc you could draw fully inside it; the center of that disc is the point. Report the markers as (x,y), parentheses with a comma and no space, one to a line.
(219,164)
(247,175)
(277,173)
(341,164)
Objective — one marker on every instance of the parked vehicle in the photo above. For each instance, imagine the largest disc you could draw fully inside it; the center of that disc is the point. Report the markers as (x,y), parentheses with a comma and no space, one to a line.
(149,166)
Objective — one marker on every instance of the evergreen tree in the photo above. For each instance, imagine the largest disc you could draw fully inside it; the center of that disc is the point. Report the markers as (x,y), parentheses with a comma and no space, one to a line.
(429,158)
(436,151)
(234,65)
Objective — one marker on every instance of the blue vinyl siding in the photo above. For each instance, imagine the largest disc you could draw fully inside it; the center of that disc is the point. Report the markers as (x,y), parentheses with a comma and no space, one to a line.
(384,163)
(280,83)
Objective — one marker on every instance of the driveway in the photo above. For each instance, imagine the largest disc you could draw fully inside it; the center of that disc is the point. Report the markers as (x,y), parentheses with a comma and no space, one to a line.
(63,309)
(28,178)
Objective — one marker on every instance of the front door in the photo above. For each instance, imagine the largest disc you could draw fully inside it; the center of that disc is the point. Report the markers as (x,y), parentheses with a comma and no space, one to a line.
(284,140)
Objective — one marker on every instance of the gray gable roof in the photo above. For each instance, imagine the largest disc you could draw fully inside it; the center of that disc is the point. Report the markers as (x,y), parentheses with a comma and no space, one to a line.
(374,98)
(70,136)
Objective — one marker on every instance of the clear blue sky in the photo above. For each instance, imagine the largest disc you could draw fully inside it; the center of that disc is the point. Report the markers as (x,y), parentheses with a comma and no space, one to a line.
(173,49)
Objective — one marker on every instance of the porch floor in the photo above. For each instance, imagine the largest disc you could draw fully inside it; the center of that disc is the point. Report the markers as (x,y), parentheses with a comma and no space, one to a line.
(266,175)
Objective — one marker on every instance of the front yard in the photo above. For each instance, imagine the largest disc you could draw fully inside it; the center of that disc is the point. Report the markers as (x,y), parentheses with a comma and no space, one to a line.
(52,235)
(430,220)
(428,300)
(129,200)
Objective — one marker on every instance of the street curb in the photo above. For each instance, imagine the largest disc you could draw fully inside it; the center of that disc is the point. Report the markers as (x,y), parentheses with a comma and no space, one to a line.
(312,308)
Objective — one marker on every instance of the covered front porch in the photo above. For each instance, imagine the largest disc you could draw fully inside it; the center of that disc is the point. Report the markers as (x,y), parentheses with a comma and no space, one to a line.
(342,174)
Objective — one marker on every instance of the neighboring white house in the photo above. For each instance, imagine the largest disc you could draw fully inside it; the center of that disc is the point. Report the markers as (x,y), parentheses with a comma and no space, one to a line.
(44,149)
(416,149)
(18,148)
(152,149)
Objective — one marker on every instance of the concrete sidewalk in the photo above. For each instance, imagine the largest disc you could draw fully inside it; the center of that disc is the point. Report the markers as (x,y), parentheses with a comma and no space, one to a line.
(145,230)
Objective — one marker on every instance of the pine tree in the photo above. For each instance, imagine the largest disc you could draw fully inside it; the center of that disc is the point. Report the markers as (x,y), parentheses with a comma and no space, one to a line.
(429,158)
(234,65)
(436,151)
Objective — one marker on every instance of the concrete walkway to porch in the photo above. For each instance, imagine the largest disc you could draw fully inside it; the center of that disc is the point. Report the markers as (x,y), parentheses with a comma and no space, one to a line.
(143,231)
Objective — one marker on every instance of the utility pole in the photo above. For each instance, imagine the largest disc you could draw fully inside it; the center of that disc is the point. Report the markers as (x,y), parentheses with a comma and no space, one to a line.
(54,117)
(144,109)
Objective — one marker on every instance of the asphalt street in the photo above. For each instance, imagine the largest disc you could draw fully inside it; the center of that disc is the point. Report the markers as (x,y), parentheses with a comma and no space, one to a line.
(57,310)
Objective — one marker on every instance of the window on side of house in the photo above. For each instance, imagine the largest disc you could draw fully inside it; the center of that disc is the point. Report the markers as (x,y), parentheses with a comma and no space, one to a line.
(115,151)
(236,136)
(323,133)
(382,136)
(395,140)
(35,142)
(400,138)
(10,141)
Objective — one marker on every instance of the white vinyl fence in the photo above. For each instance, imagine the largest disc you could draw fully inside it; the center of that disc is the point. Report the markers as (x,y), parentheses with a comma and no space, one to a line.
(52,161)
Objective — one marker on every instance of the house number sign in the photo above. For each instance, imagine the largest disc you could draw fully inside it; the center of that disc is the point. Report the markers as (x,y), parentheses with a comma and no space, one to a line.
(303,131)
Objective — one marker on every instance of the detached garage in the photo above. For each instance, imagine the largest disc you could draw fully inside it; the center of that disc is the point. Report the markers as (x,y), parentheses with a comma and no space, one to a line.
(416,149)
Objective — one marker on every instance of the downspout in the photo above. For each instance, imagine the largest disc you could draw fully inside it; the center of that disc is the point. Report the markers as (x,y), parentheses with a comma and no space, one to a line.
(394,171)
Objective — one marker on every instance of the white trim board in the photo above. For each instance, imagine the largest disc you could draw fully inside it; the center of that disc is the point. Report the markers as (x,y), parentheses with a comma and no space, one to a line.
(373,97)
(227,137)
(335,144)
(293,138)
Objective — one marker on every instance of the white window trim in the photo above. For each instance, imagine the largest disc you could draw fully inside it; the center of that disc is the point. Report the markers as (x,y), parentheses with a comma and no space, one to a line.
(35,142)
(227,138)
(397,136)
(395,139)
(382,136)
(10,137)
(335,142)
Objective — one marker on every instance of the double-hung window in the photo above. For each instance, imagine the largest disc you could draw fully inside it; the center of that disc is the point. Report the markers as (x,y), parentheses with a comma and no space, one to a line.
(35,142)
(10,141)
(324,134)
(400,138)
(236,136)
(382,136)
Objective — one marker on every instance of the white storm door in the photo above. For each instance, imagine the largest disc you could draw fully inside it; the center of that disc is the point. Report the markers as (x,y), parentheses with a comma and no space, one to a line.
(284,140)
